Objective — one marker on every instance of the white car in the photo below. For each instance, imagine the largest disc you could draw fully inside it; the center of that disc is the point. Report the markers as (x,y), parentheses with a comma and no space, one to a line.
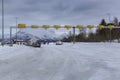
(59,43)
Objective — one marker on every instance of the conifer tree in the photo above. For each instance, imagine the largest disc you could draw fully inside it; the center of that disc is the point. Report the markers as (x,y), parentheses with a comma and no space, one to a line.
(103,22)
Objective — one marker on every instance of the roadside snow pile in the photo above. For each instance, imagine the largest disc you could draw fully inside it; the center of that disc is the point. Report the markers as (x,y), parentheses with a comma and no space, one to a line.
(7,52)
(82,61)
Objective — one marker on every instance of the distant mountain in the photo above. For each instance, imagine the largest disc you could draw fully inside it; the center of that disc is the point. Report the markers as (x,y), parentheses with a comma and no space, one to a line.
(40,34)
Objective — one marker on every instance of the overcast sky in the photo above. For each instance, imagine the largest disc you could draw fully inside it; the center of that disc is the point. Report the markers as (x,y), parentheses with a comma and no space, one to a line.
(61,12)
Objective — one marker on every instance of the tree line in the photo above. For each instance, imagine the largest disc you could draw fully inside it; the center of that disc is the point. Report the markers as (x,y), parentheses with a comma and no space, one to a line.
(100,35)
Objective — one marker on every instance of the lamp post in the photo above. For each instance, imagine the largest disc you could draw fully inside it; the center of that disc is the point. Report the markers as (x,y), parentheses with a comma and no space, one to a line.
(10,36)
(109,16)
(73,35)
(16,27)
(2,23)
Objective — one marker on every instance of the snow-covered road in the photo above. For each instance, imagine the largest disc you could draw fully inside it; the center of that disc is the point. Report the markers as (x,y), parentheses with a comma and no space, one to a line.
(82,61)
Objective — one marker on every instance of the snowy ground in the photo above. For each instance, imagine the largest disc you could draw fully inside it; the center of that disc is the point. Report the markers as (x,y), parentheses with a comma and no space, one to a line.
(82,61)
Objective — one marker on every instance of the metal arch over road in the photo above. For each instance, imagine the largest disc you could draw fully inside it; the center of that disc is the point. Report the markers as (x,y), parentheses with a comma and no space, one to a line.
(22,26)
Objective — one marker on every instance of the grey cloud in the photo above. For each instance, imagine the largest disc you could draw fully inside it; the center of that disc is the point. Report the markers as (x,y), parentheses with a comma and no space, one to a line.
(59,11)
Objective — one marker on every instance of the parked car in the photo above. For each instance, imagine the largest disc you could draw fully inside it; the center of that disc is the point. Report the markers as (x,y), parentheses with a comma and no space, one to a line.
(59,43)
(33,43)
(36,44)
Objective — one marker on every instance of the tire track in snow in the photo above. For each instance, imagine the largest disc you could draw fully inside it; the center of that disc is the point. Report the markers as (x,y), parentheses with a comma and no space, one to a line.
(52,62)
(92,65)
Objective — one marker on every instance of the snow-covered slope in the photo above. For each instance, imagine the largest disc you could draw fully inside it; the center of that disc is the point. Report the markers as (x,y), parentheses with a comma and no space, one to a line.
(41,34)
(82,61)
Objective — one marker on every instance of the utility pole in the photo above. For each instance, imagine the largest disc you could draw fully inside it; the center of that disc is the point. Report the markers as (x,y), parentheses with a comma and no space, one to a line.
(10,35)
(2,23)
(73,35)
(110,36)
(16,26)
(70,34)
(109,17)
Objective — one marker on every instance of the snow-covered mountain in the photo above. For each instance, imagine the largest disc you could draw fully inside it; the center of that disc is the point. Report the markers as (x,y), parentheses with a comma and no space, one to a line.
(40,34)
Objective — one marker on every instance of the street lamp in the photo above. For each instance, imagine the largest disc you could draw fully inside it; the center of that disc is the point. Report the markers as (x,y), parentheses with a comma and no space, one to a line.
(2,23)
(73,35)
(16,27)
(109,16)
